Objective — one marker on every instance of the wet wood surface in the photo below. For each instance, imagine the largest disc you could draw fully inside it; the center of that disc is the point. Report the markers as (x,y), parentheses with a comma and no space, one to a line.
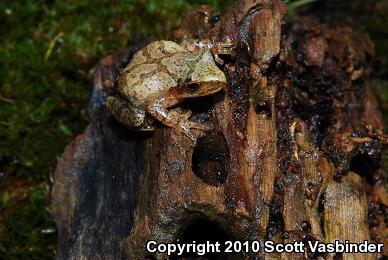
(293,154)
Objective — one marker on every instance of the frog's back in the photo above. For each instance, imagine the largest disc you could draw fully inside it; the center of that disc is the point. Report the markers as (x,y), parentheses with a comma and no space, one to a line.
(155,69)
(154,52)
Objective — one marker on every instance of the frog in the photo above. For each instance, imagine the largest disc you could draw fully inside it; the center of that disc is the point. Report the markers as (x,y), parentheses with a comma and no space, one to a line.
(158,78)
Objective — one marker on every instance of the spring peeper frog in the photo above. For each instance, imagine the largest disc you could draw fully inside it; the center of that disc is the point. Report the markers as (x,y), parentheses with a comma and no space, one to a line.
(160,76)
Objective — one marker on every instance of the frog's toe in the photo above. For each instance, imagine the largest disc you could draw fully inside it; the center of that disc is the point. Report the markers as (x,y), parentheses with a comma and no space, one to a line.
(199,126)
(182,116)
(186,115)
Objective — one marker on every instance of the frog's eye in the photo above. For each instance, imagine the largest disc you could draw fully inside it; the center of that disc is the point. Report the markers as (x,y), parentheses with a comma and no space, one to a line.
(192,87)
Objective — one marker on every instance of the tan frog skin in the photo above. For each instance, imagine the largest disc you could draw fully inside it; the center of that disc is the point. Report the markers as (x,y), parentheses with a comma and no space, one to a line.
(160,76)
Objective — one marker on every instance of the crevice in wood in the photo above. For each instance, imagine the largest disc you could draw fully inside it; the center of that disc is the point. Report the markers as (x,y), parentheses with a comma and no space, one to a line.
(211,159)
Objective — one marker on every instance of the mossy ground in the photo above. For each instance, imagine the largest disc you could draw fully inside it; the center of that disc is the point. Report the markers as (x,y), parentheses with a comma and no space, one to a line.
(44,93)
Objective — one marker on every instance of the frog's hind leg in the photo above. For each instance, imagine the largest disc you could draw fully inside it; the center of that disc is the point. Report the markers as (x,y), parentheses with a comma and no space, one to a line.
(127,114)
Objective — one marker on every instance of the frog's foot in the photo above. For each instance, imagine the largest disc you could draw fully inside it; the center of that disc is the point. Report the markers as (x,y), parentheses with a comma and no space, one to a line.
(223,48)
(198,126)
(182,116)
(184,120)
(186,126)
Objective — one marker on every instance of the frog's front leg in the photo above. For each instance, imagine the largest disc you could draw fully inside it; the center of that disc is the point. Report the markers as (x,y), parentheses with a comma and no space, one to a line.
(127,114)
(158,108)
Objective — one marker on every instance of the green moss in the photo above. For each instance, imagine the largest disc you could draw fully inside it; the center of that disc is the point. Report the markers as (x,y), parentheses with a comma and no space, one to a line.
(44,93)
(27,228)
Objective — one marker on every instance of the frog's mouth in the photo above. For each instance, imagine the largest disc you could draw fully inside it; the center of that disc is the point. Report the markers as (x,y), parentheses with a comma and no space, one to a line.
(194,89)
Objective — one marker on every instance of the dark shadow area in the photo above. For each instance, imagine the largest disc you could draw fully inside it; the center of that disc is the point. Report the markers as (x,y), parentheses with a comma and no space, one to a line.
(365,166)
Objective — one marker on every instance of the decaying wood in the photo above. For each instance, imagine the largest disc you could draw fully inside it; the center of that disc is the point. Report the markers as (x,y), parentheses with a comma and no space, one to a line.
(290,157)
(347,219)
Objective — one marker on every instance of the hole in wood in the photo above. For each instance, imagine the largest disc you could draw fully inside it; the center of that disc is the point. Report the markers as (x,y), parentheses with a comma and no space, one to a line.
(210,159)
(201,231)
(364,165)
(264,108)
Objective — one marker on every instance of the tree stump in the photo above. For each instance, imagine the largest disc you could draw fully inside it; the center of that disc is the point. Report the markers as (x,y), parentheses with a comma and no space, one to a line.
(293,155)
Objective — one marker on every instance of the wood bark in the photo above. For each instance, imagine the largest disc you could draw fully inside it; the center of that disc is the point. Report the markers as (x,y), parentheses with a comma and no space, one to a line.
(293,155)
